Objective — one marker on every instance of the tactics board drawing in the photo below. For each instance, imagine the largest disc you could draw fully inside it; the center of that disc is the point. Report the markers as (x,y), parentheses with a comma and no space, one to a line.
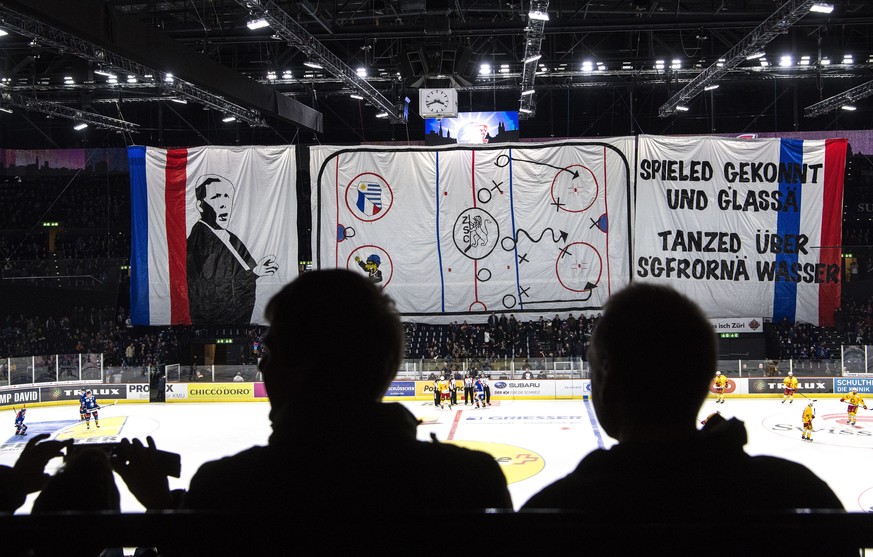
(458,233)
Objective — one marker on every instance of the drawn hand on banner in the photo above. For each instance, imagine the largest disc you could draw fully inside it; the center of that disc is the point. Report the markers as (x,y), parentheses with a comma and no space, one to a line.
(266,266)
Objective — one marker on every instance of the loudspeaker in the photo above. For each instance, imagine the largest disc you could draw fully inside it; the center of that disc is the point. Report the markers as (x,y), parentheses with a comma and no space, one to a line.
(413,63)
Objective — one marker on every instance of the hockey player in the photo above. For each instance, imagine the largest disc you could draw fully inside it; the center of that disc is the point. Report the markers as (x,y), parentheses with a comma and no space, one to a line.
(719,384)
(790,384)
(445,394)
(91,408)
(82,404)
(808,415)
(20,426)
(854,400)
(480,392)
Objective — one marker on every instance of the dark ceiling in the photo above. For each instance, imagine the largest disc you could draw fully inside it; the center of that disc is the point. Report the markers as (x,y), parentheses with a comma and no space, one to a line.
(49,66)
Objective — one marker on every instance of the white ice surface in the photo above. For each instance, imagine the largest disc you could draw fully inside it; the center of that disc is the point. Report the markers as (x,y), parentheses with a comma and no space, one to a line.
(536,442)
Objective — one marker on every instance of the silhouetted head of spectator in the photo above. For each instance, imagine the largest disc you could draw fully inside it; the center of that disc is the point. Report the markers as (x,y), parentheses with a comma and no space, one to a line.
(332,325)
(650,331)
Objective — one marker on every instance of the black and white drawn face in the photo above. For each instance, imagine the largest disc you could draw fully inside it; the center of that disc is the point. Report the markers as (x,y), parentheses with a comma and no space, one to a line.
(217,202)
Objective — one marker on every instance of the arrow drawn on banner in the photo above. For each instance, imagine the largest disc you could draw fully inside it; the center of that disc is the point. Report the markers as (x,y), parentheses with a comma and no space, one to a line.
(589,289)
(562,237)
(503,160)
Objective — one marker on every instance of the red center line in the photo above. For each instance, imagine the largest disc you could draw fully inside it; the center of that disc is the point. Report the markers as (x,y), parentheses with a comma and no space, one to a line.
(455,423)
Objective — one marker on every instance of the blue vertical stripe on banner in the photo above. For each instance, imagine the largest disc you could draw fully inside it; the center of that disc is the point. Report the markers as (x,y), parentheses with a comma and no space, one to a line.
(438,244)
(788,222)
(139,237)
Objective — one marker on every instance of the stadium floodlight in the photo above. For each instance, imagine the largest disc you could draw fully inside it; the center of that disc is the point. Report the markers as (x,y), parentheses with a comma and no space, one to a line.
(849,107)
(529,92)
(358,97)
(711,87)
(537,15)
(756,55)
(228,119)
(311,64)
(80,126)
(533,58)
(681,108)
(257,24)
(822,8)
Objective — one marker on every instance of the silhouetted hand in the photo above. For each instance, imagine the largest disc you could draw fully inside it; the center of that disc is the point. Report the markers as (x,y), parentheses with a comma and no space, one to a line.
(28,475)
(29,470)
(137,466)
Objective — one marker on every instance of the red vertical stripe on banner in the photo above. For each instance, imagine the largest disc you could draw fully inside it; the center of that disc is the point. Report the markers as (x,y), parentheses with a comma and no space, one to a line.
(174,198)
(831,228)
(336,232)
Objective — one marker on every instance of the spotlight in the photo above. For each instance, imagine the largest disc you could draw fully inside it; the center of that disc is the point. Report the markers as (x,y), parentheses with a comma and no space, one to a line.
(822,8)
(257,24)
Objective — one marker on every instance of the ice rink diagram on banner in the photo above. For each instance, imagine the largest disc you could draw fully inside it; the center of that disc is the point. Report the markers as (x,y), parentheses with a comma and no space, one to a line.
(452,232)
(535,442)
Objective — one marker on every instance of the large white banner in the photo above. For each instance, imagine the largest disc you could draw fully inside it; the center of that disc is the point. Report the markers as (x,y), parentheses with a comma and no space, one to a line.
(743,227)
(457,233)
(214,233)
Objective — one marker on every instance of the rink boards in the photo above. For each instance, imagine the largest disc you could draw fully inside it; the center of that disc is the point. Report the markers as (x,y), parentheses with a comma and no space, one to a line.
(411,390)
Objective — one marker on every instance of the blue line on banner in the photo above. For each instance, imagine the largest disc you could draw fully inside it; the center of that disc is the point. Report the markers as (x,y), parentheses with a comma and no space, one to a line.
(787,222)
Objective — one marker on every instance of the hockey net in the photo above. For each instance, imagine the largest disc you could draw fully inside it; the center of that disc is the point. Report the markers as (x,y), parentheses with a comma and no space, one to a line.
(173,373)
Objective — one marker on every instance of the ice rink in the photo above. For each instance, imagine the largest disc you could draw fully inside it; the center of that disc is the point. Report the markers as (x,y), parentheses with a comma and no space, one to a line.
(535,442)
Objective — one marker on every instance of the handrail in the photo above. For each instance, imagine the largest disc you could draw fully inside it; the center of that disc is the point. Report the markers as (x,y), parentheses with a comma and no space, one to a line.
(492,532)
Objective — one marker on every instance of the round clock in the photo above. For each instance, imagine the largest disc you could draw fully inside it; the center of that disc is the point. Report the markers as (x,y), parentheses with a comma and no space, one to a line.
(438,103)
(436,100)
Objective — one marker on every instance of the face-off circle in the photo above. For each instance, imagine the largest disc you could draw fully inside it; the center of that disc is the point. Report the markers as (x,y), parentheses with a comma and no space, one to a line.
(369,197)
(574,189)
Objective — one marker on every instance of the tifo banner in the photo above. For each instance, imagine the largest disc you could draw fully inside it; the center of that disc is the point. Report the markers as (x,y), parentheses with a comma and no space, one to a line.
(456,233)
(214,232)
(743,227)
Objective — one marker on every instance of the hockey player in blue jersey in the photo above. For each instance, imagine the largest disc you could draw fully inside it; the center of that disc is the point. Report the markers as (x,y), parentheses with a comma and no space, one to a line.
(82,404)
(90,408)
(20,426)
(480,392)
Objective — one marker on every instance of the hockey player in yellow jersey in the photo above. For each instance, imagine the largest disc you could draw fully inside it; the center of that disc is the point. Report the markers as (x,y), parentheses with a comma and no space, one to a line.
(790,384)
(719,384)
(854,400)
(445,393)
(808,415)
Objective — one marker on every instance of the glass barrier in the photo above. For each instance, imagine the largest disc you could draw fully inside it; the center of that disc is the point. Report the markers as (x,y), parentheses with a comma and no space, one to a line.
(72,368)
(52,369)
